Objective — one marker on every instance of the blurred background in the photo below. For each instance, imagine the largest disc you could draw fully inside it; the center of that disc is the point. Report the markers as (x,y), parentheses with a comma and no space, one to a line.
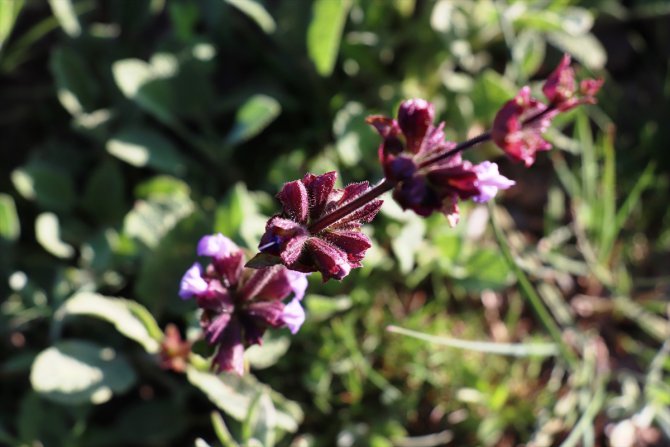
(130,128)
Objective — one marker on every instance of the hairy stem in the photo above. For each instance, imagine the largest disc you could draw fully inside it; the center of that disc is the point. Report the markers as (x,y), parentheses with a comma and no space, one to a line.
(339,213)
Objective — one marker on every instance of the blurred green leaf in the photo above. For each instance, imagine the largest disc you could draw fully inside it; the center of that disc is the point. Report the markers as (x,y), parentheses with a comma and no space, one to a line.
(104,195)
(234,395)
(273,348)
(486,269)
(143,147)
(262,420)
(151,218)
(222,432)
(47,233)
(252,117)
(586,48)
(256,12)
(75,372)
(528,50)
(324,33)
(9,12)
(491,90)
(320,308)
(51,187)
(66,15)
(120,312)
(238,216)
(145,83)
(407,243)
(158,277)
(10,225)
(76,89)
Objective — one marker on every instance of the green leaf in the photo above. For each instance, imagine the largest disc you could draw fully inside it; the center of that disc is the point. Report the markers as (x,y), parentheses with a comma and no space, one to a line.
(105,181)
(238,217)
(47,233)
(144,147)
(158,279)
(585,48)
(407,243)
(77,91)
(325,32)
(320,308)
(273,348)
(256,12)
(486,269)
(9,11)
(528,51)
(147,85)
(235,395)
(262,420)
(151,219)
(120,312)
(76,372)
(52,188)
(10,226)
(491,90)
(67,17)
(254,116)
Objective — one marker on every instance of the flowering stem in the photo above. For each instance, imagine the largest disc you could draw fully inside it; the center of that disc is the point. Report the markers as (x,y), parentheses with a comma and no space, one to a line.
(339,213)
(460,147)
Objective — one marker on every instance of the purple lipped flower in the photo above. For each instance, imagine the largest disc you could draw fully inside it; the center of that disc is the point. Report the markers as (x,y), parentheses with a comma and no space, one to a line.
(416,158)
(489,181)
(294,239)
(239,304)
(192,282)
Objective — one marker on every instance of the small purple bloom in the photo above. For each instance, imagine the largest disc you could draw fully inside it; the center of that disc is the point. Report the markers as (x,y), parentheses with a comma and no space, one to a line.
(217,246)
(192,283)
(239,304)
(294,315)
(489,181)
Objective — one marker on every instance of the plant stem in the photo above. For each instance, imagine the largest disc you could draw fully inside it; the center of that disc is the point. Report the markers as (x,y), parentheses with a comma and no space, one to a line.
(339,213)
(528,291)
(460,147)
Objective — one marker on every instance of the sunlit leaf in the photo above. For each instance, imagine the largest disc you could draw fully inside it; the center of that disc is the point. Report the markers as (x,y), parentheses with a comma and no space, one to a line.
(252,117)
(52,188)
(47,233)
(76,372)
(76,89)
(120,312)
(324,33)
(66,15)
(10,226)
(256,12)
(9,11)
(145,147)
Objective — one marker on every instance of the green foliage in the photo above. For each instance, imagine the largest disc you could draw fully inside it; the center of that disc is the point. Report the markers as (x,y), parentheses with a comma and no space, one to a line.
(133,128)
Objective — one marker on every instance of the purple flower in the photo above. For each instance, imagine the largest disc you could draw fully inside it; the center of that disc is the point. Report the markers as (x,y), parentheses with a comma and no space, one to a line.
(293,315)
(290,237)
(192,282)
(489,181)
(239,304)
(417,159)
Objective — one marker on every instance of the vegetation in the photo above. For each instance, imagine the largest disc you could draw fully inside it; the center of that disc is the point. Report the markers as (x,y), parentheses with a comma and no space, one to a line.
(132,128)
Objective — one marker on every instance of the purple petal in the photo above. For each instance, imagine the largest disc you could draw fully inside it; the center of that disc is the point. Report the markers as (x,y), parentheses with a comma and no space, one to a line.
(295,201)
(192,283)
(319,187)
(294,315)
(298,282)
(415,117)
(353,243)
(489,181)
(327,259)
(217,246)
(269,312)
(230,355)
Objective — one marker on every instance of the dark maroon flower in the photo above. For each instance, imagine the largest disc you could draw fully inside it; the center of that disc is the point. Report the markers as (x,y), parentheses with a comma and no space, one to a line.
(295,239)
(426,173)
(519,125)
(239,304)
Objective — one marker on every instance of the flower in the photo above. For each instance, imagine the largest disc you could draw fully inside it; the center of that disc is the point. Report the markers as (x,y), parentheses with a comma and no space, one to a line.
(291,237)
(520,122)
(174,350)
(519,125)
(239,304)
(427,172)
